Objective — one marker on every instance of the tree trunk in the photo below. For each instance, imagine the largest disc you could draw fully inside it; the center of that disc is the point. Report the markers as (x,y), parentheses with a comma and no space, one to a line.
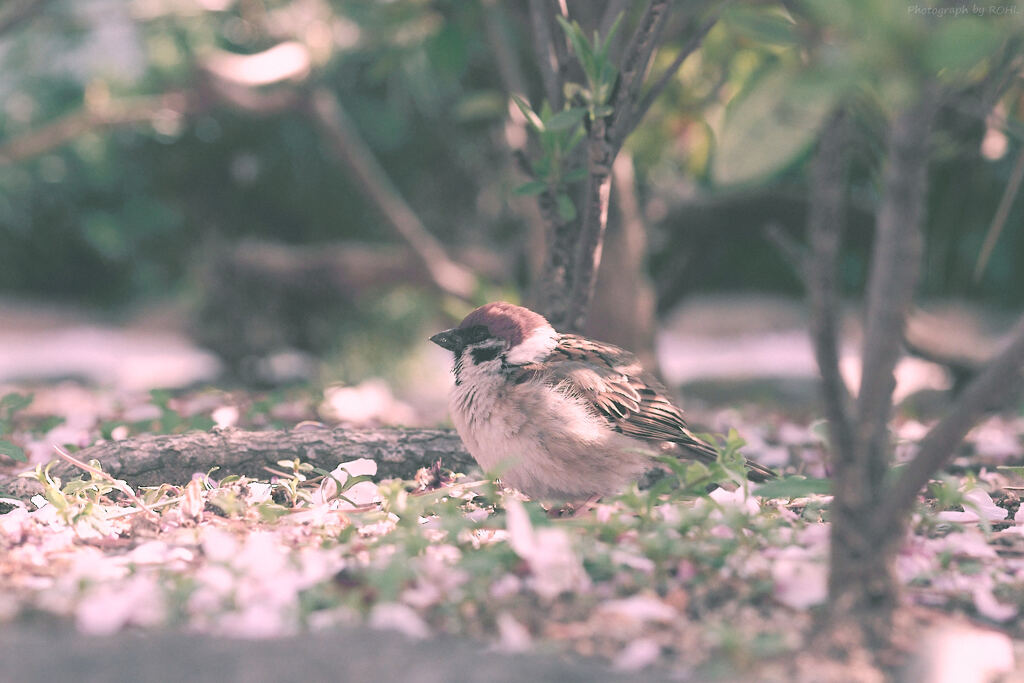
(862,586)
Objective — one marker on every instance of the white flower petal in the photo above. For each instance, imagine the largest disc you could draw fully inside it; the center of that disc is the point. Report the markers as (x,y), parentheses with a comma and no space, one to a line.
(639,654)
(512,636)
(395,616)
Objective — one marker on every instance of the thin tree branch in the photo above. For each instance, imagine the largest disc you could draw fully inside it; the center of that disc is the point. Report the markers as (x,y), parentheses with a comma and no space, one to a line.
(1002,213)
(115,113)
(217,81)
(986,392)
(791,251)
(602,146)
(895,264)
(594,221)
(636,59)
(549,50)
(669,73)
(504,51)
(20,12)
(825,226)
(344,140)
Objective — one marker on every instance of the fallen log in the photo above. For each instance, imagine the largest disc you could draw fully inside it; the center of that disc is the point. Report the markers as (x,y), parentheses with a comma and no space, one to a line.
(155,459)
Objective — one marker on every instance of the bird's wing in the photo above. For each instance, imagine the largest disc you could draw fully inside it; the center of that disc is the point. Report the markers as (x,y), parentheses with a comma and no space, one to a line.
(632,400)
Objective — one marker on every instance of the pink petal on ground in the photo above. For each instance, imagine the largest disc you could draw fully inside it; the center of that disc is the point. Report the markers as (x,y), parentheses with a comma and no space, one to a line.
(638,608)
(960,654)
(395,616)
(225,416)
(520,530)
(983,505)
(363,493)
(989,607)
(512,635)
(639,654)
(800,578)
(970,542)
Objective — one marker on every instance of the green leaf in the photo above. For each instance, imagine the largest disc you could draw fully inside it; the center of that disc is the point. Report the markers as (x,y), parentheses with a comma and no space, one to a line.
(271,512)
(12,451)
(677,466)
(531,116)
(531,188)
(606,45)
(581,47)
(577,138)
(566,209)
(352,481)
(13,402)
(564,120)
(1017,470)
(961,43)
(482,105)
(771,124)
(793,487)
(761,25)
(696,472)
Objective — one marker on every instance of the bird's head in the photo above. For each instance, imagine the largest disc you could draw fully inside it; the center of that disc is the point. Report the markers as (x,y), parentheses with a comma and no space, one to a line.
(497,334)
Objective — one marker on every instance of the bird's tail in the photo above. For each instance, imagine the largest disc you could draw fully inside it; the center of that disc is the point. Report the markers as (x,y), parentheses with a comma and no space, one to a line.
(707,453)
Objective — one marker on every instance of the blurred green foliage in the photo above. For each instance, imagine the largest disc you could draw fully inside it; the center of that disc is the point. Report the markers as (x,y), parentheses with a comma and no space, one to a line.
(124,212)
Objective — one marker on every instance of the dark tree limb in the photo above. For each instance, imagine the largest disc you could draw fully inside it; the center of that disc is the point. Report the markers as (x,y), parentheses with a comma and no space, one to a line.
(504,51)
(1002,213)
(985,393)
(603,143)
(218,83)
(655,91)
(113,114)
(895,264)
(173,459)
(566,286)
(593,225)
(791,251)
(549,49)
(635,61)
(862,586)
(825,226)
(344,140)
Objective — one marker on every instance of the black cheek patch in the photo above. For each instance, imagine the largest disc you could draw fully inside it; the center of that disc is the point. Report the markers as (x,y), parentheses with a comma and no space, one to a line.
(485,354)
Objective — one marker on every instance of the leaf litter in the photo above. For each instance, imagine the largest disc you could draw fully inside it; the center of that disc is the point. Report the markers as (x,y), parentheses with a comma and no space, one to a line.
(664,577)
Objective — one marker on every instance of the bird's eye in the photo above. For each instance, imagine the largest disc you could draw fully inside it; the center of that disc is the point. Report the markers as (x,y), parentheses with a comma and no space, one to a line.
(475,334)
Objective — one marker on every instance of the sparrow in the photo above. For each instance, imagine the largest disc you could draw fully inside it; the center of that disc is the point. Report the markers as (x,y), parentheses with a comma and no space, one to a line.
(560,417)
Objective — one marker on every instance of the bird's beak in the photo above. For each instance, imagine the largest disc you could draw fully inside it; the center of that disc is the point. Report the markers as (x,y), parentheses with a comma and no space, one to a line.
(449,339)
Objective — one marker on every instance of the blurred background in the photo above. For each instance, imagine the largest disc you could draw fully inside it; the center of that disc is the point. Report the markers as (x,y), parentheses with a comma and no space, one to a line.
(269,193)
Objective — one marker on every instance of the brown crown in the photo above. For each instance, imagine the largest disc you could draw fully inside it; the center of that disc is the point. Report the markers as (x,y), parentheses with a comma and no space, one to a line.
(508,321)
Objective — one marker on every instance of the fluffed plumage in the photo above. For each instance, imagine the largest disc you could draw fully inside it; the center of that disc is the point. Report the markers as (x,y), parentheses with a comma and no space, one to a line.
(559,416)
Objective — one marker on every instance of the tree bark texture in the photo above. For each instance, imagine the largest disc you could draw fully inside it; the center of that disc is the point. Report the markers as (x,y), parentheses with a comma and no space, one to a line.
(594,222)
(826,222)
(173,459)
(862,585)
(566,286)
